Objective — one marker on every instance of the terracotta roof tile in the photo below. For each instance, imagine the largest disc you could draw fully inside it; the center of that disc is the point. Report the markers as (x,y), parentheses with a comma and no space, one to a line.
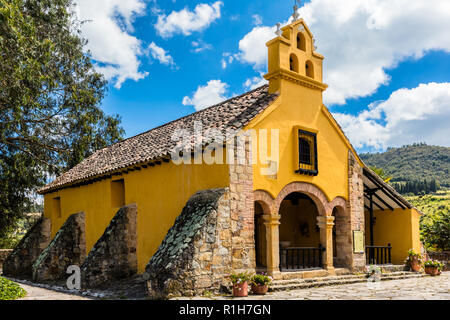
(156,144)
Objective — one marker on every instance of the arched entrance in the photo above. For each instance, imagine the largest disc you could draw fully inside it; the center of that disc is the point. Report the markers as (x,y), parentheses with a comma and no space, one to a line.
(260,237)
(298,229)
(299,236)
(342,238)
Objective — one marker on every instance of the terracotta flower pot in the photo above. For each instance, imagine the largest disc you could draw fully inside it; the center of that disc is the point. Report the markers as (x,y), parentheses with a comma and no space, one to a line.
(260,289)
(433,271)
(415,265)
(240,289)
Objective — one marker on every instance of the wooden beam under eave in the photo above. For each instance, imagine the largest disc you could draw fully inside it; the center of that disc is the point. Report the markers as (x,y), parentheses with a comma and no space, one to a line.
(383,202)
(387,193)
(368,198)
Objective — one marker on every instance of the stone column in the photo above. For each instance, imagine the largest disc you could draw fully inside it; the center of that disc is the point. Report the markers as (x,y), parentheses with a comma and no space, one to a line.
(272,223)
(326,224)
(356,261)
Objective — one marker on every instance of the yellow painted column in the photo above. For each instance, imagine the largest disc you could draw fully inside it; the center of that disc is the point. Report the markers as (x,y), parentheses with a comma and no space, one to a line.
(326,224)
(272,223)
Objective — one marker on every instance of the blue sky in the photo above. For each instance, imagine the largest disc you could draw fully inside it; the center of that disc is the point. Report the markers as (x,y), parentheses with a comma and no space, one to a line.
(389,75)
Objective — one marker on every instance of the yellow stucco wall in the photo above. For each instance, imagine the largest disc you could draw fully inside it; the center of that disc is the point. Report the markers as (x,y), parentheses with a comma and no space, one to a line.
(400,228)
(301,107)
(160,193)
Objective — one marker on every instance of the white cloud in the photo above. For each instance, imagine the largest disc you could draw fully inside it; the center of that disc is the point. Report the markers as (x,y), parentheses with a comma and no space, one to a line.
(253,48)
(200,46)
(228,58)
(109,31)
(255,82)
(205,96)
(186,22)
(257,19)
(160,54)
(421,114)
(361,39)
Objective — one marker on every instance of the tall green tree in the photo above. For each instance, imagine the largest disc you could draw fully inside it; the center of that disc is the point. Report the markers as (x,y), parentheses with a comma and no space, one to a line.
(50,95)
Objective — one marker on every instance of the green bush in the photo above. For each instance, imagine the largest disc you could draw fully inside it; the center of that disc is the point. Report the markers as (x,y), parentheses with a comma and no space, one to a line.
(434,264)
(239,278)
(10,290)
(261,280)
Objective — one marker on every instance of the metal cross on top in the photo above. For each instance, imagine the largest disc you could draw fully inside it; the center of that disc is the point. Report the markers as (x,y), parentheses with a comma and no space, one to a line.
(296,15)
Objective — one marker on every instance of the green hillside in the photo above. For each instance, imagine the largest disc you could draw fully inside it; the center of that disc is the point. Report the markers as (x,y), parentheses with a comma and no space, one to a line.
(416,162)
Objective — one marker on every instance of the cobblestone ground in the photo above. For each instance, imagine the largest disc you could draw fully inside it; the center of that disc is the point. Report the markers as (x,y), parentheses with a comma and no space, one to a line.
(426,288)
(36,293)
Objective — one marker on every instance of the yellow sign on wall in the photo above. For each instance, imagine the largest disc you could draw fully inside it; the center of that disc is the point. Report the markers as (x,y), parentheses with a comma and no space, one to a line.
(358,241)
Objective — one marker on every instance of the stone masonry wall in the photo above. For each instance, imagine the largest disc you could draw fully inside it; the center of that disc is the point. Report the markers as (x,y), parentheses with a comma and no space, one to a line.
(356,209)
(68,247)
(4,253)
(242,209)
(19,263)
(114,256)
(196,253)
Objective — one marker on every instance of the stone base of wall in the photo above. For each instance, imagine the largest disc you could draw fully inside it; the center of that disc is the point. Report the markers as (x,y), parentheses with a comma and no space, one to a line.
(68,247)
(4,253)
(196,254)
(19,263)
(114,256)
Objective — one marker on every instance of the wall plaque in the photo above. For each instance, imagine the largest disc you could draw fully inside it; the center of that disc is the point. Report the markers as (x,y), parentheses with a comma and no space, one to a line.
(358,241)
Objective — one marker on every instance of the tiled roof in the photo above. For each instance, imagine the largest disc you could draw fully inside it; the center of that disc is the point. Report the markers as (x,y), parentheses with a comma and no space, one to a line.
(156,144)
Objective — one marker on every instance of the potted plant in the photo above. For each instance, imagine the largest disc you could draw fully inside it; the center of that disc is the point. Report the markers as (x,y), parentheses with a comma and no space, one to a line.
(414,260)
(240,283)
(260,283)
(433,267)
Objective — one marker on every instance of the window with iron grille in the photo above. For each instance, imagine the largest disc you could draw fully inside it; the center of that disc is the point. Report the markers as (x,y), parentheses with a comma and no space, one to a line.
(307,153)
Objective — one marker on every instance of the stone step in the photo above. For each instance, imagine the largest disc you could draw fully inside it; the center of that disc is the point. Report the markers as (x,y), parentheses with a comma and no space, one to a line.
(295,284)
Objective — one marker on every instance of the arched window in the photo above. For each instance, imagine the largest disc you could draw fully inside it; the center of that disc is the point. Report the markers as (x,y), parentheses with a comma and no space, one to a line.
(293,63)
(301,41)
(309,69)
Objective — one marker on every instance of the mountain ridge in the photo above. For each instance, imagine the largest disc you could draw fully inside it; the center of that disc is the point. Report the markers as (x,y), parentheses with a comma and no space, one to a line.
(416,162)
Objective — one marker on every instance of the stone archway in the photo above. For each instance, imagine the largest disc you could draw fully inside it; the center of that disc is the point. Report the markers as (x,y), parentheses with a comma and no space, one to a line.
(299,233)
(269,209)
(339,237)
(342,237)
(308,189)
(324,218)
(263,210)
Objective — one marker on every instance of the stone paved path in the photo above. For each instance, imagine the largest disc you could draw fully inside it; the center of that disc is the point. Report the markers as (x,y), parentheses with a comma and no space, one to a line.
(426,288)
(36,293)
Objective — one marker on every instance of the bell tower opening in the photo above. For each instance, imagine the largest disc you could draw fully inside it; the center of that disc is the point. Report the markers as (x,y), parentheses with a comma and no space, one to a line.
(309,67)
(293,58)
(301,41)
(293,63)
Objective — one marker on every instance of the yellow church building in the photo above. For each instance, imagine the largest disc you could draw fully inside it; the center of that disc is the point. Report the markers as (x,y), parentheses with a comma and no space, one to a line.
(291,196)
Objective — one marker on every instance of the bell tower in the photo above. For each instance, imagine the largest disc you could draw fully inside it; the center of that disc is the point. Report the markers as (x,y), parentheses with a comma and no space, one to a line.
(292,57)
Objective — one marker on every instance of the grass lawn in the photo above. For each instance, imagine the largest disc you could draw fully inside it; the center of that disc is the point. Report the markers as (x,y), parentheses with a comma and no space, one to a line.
(10,290)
